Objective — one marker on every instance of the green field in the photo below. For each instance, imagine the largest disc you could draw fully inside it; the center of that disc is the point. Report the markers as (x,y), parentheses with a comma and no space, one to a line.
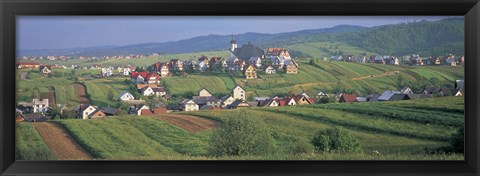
(29,144)
(327,49)
(399,130)
(328,77)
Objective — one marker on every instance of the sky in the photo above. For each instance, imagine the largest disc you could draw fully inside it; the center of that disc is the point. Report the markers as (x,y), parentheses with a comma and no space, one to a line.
(61,32)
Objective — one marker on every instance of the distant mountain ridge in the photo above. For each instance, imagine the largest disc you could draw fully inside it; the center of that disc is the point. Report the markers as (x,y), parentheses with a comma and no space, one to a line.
(424,37)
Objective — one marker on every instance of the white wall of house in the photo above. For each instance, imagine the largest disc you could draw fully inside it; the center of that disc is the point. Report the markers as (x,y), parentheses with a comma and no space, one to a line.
(238,93)
(88,111)
(148,92)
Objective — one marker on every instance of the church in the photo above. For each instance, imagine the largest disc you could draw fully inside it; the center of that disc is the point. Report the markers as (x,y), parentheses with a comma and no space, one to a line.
(246,51)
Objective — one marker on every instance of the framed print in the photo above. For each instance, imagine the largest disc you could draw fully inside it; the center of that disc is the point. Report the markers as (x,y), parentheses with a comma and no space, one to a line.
(202,88)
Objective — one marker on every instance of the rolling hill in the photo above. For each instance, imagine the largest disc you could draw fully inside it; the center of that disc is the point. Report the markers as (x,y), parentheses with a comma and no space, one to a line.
(424,37)
(400,130)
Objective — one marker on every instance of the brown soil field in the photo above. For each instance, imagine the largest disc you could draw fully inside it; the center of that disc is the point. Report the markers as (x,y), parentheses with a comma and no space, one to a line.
(81,93)
(190,123)
(60,142)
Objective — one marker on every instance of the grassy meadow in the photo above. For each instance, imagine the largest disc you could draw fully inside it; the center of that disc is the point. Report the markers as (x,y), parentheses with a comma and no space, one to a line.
(399,130)
(29,144)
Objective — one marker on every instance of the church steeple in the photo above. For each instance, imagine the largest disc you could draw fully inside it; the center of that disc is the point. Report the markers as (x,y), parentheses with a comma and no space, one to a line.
(233,44)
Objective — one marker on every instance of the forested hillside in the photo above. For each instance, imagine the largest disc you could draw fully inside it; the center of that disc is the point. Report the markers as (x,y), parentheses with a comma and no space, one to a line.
(424,38)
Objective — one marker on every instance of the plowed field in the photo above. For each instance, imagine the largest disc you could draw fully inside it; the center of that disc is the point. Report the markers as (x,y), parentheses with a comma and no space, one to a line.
(60,142)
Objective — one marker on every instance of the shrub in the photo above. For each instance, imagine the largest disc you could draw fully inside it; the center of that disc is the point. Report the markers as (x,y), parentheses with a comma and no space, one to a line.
(335,139)
(301,147)
(457,141)
(241,134)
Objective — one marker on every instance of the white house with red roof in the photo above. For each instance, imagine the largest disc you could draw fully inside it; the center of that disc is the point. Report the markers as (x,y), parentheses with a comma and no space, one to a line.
(145,78)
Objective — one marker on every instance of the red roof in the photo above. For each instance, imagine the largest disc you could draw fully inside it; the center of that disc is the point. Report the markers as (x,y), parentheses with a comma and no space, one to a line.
(146,112)
(281,102)
(146,75)
(159,110)
(348,98)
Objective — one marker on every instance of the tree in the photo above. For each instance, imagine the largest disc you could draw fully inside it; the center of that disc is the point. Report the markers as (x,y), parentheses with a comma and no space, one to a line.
(241,134)
(68,114)
(335,139)
(457,141)
(72,73)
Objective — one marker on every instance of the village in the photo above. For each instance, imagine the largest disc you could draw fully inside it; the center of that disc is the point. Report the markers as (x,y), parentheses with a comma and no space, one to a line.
(248,60)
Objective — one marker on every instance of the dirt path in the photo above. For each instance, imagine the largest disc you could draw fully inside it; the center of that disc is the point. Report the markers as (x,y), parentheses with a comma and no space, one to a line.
(81,93)
(60,142)
(352,79)
(190,123)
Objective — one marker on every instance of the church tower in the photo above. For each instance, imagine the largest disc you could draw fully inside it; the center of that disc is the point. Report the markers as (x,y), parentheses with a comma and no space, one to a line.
(233,44)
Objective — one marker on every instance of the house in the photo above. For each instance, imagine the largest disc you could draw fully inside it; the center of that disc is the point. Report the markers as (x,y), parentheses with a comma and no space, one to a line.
(210,102)
(387,95)
(160,91)
(25,107)
(239,65)
(255,61)
(361,99)
(231,61)
(227,100)
(217,62)
(291,67)
(175,65)
(302,99)
(239,104)
(238,93)
(19,118)
(200,66)
(37,117)
(246,51)
(140,86)
(270,70)
(279,52)
(27,65)
(398,96)
(125,96)
(137,109)
(373,97)
(204,93)
(289,101)
(459,92)
(45,69)
(406,90)
(459,83)
(159,110)
(147,91)
(438,61)
(107,72)
(269,102)
(84,110)
(348,98)
(109,111)
(145,78)
(277,62)
(190,105)
(161,69)
(146,112)
(40,105)
(250,72)
(442,91)
(188,65)
(96,114)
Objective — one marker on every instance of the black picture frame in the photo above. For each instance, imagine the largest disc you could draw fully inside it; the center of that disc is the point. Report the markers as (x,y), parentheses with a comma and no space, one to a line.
(11,8)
